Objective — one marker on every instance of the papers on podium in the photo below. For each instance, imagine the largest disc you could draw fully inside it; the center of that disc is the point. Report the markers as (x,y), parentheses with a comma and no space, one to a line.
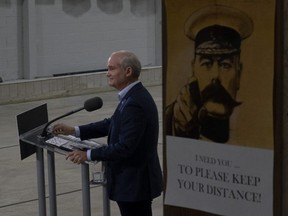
(71,143)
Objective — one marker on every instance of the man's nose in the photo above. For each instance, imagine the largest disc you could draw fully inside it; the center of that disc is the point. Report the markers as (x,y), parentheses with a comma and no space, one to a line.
(216,82)
(215,71)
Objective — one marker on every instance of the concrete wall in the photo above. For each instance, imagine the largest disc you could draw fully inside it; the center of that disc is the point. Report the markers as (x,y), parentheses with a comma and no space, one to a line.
(10,37)
(39,38)
(44,88)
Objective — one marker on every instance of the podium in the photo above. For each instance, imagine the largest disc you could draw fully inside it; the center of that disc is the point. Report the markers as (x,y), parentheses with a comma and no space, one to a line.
(30,126)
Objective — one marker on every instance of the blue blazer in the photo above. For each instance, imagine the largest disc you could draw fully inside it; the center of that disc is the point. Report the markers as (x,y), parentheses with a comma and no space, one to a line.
(133,169)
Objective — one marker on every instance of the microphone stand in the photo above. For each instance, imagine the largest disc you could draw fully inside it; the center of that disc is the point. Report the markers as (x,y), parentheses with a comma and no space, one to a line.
(44,132)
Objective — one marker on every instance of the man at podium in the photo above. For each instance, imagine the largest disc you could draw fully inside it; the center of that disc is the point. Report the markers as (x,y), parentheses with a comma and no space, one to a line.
(133,171)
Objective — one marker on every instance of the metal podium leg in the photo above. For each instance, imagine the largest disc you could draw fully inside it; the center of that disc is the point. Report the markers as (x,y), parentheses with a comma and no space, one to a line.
(85,189)
(106,201)
(41,182)
(52,183)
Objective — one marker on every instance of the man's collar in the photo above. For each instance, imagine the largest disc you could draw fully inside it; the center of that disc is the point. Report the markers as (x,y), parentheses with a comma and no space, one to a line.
(124,91)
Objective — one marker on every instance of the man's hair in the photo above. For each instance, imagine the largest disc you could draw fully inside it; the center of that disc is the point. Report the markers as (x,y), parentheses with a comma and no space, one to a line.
(130,60)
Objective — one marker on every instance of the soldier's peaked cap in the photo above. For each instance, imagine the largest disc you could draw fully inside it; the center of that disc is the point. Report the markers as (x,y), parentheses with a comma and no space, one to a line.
(218,29)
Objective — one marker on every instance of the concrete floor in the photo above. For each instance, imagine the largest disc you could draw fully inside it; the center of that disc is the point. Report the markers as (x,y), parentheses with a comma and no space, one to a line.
(18,179)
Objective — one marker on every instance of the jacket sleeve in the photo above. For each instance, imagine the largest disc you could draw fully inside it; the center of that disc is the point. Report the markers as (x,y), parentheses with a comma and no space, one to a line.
(94,130)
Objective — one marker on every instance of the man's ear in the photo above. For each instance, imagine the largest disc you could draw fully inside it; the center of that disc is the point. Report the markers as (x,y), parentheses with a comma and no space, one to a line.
(129,72)
(192,68)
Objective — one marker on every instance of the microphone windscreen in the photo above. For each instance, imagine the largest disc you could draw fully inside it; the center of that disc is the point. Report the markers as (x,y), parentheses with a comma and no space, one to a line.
(93,104)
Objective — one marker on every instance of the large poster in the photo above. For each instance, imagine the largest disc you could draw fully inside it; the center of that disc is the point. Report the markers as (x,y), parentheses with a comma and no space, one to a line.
(218,83)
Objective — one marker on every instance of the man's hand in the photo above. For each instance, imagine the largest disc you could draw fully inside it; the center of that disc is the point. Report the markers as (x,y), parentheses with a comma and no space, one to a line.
(77,156)
(63,129)
(184,108)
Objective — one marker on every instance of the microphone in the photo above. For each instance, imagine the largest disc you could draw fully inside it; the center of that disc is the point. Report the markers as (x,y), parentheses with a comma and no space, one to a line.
(89,105)
(93,104)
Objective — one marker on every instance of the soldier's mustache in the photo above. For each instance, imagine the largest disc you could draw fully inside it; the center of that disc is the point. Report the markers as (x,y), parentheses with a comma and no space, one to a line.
(215,92)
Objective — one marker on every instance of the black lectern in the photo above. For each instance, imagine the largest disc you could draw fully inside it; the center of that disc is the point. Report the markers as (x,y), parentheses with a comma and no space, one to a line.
(30,126)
